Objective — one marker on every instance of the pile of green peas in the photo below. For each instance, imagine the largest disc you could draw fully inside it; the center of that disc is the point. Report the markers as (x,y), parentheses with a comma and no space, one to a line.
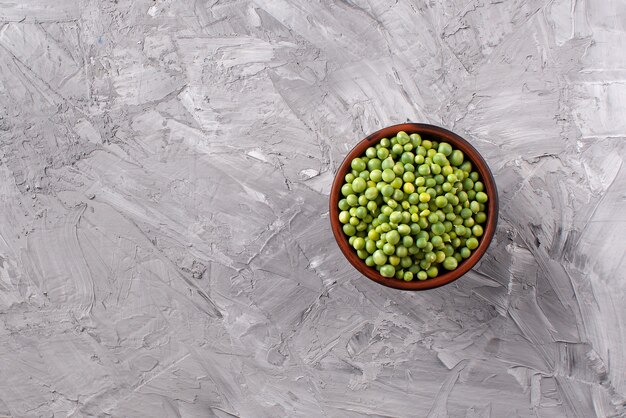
(412,207)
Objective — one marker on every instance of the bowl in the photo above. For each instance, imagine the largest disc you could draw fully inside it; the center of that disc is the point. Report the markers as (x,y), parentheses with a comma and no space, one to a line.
(427,132)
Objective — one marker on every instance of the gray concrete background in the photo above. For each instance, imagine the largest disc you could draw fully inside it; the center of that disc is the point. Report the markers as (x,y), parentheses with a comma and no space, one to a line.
(165,248)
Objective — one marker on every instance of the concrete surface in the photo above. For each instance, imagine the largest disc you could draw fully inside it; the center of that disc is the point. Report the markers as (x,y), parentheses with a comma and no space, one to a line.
(165,248)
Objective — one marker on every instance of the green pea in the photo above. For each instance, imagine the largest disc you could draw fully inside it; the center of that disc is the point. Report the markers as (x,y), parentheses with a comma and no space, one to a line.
(387,190)
(450,263)
(465,252)
(480,217)
(469,222)
(440,159)
(481,197)
(396,183)
(408,276)
(376,175)
(407,158)
(387,271)
(430,182)
(389,249)
(358,185)
(474,176)
(403,138)
(404,229)
(438,228)
(437,241)
(349,229)
(466,166)
(393,237)
(359,243)
(362,200)
(441,201)
(466,213)
(388,175)
(456,158)
(477,230)
(422,275)
(471,243)
(372,206)
(401,251)
(382,153)
(452,199)
(416,140)
(358,164)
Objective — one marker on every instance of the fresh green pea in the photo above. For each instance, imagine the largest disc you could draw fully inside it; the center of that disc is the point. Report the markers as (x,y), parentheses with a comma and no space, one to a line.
(481,197)
(471,243)
(404,229)
(441,201)
(465,252)
(477,230)
(359,243)
(358,164)
(358,185)
(450,263)
(480,217)
(387,270)
(466,213)
(349,229)
(393,237)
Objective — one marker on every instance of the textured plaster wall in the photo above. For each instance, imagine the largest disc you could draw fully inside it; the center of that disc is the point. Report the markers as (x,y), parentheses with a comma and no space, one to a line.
(165,248)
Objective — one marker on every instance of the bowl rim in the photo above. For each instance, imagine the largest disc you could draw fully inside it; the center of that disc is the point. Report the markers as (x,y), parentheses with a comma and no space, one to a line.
(432,132)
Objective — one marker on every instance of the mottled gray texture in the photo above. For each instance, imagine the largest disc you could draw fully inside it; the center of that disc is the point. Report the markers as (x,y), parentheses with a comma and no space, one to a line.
(165,248)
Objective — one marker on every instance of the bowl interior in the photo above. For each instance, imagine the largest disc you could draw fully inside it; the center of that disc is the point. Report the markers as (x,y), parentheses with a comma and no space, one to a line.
(427,132)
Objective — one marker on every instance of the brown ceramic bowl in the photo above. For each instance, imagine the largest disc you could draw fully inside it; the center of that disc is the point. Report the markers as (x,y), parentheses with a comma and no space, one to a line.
(427,132)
